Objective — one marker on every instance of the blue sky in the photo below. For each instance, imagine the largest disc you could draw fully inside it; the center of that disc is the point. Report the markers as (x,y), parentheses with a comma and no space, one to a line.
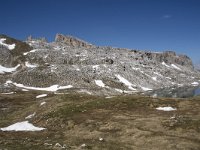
(137,24)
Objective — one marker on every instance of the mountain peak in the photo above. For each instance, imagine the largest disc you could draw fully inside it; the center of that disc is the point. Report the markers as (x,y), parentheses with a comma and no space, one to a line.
(72,41)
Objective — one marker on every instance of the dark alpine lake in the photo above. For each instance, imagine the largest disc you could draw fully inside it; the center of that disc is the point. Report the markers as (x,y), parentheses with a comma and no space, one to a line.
(181,92)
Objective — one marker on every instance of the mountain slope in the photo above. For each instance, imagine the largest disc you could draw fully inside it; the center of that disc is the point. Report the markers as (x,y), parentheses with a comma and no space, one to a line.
(76,65)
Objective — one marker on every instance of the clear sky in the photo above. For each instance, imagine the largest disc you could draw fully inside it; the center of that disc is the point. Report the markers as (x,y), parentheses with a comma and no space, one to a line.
(137,24)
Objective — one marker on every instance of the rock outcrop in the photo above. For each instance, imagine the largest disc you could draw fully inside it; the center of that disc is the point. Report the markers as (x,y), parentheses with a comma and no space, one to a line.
(72,41)
(170,57)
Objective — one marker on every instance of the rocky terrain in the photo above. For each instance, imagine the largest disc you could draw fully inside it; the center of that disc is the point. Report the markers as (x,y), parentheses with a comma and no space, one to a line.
(69,63)
(70,94)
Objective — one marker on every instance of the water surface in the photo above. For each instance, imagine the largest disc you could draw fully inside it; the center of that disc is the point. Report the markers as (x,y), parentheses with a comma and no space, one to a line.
(181,92)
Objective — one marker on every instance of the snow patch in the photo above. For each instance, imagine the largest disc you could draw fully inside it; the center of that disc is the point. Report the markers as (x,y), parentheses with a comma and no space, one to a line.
(166,108)
(95,66)
(22,126)
(146,89)
(30,116)
(174,66)
(195,83)
(99,83)
(32,51)
(9,46)
(154,78)
(100,139)
(109,97)
(43,103)
(119,90)
(52,88)
(164,64)
(8,70)
(42,95)
(25,90)
(8,93)
(135,68)
(126,82)
(30,65)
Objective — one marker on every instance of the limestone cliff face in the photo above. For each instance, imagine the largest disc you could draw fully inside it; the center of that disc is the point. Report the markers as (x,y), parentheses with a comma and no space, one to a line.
(72,41)
(173,58)
(168,57)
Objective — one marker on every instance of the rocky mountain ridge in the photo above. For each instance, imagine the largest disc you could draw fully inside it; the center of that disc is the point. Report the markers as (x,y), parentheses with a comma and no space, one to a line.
(72,41)
(72,64)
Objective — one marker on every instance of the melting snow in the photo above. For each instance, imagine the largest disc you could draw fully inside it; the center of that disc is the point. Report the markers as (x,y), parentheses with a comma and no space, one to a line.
(95,66)
(154,78)
(99,83)
(30,116)
(163,63)
(119,90)
(30,65)
(32,51)
(126,82)
(166,108)
(109,97)
(42,103)
(195,83)
(10,47)
(8,70)
(25,90)
(100,139)
(146,89)
(135,68)
(22,126)
(52,88)
(174,66)
(8,93)
(42,95)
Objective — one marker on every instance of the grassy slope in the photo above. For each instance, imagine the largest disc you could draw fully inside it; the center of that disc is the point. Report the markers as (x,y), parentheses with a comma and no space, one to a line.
(124,122)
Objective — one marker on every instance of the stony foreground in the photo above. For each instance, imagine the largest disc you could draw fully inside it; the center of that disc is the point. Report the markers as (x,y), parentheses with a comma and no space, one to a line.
(75,121)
